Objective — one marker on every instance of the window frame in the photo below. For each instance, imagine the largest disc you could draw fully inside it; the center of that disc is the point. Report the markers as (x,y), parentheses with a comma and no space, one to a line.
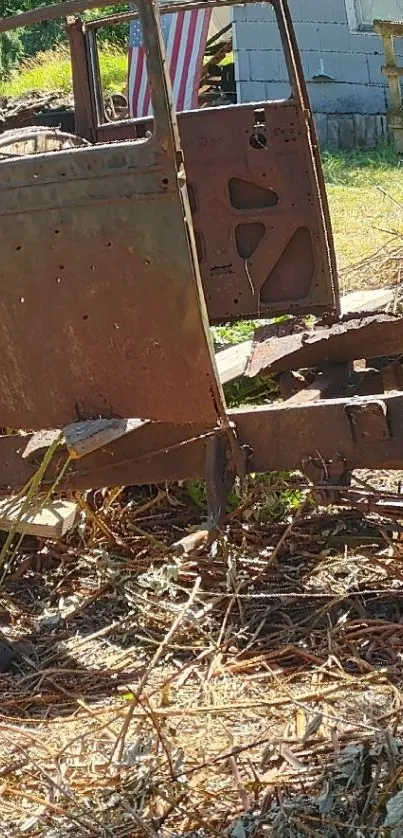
(355,21)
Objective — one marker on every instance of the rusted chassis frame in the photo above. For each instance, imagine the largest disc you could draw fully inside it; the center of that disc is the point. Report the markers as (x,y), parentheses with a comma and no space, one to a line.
(341,434)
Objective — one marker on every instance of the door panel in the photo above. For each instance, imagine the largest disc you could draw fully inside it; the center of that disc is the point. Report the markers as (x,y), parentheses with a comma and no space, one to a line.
(259,207)
(101,305)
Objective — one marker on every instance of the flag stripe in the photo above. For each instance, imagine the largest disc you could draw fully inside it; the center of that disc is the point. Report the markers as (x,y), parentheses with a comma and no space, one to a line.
(188,51)
(185,35)
(175,57)
(196,61)
(143,86)
(135,71)
(147,93)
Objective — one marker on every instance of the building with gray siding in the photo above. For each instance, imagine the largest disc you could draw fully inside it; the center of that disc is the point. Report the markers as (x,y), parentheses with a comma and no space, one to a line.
(342,58)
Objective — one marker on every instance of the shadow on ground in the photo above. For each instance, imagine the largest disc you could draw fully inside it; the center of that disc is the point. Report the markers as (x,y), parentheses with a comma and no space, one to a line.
(85,622)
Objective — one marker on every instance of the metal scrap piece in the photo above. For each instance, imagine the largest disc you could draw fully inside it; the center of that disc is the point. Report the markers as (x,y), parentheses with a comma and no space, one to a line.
(368,421)
(364,337)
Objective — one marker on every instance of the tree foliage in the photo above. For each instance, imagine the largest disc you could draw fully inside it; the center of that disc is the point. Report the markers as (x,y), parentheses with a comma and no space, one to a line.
(29,41)
(11,48)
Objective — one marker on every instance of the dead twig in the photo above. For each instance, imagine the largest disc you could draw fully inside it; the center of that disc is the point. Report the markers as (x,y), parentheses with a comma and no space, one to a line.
(243,796)
(120,742)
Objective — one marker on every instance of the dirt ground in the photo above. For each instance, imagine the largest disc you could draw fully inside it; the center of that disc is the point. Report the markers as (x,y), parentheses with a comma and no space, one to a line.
(253,689)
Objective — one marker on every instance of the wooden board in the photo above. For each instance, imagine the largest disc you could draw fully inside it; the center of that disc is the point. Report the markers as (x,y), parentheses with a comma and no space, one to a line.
(231,363)
(53,521)
(84,437)
(366,301)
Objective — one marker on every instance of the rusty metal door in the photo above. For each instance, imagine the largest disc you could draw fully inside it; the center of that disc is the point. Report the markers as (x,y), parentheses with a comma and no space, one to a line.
(101,307)
(258,201)
(256,189)
(261,237)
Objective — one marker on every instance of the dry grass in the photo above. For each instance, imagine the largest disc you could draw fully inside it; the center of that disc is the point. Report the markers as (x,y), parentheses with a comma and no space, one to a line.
(229,694)
(365,193)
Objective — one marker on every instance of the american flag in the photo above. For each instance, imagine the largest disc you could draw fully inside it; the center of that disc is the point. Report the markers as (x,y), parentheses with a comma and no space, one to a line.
(185,36)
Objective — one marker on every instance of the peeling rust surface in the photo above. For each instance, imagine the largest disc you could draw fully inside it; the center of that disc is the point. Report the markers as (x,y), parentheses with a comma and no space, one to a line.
(261,240)
(368,422)
(257,256)
(100,316)
(366,337)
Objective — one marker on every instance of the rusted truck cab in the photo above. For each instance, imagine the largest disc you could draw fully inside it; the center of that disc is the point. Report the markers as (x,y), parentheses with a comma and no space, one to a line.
(123,243)
(255,185)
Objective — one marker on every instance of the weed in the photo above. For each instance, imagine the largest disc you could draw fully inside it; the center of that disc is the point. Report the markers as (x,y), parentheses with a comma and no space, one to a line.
(241,330)
(51,70)
(248,391)
(360,168)
(196,490)
(365,195)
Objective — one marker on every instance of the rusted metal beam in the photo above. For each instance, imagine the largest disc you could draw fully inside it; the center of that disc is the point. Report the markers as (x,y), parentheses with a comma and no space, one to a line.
(367,337)
(360,432)
(232,362)
(283,437)
(292,383)
(366,382)
(83,103)
(392,375)
(327,384)
(388,27)
(52,12)
(76,7)
(165,9)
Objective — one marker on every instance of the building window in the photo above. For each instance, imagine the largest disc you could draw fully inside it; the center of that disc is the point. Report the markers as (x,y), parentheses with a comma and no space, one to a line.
(362,13)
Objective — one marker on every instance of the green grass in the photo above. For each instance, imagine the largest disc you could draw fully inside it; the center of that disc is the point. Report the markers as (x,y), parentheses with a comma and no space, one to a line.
(51,71)
(48,71)
(360,168)
(234,332)
(365,191)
